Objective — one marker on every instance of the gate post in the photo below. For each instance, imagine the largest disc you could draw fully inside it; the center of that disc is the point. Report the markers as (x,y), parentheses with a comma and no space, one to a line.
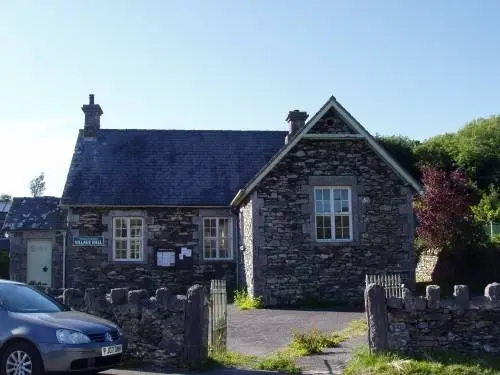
(376,314)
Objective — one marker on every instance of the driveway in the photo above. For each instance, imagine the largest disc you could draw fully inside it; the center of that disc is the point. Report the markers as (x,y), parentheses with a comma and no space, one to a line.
(260,332)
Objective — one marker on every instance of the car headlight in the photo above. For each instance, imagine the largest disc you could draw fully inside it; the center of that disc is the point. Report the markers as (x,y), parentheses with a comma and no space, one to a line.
(66,336)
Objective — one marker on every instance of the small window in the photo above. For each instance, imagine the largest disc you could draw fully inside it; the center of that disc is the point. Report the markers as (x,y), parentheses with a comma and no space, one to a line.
(217,238)
(333,212)
(128,238)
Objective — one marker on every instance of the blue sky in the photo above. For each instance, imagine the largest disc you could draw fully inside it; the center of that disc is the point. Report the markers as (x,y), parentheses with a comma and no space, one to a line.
(416,68)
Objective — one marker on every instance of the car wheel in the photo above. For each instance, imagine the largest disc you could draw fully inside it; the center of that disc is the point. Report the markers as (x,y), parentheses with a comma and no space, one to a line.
(21,359)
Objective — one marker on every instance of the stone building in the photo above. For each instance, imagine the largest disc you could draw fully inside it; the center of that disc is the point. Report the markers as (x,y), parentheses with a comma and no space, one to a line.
(289,215)
(37,232)
(151,208)
(331,206)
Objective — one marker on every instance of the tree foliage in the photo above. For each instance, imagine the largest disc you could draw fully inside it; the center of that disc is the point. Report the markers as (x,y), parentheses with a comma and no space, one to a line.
(5,197)
(437,152)
(402,149)
(488,208)
(37,185)
(446,221)
(475,148)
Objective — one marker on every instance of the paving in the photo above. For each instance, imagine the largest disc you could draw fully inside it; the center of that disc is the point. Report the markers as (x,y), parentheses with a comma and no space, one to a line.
(260,332)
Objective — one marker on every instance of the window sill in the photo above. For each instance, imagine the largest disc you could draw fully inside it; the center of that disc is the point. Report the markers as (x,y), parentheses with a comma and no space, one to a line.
(126,262)
(220,260)
(337,243)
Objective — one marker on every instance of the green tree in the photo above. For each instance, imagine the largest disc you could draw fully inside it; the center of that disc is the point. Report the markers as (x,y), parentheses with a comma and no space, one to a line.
(5,197)
(488,208)
(437,151)
(476,149)
(402,149)
(37,185)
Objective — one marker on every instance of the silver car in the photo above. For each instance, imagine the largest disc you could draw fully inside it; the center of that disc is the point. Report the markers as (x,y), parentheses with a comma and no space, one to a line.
(38,334)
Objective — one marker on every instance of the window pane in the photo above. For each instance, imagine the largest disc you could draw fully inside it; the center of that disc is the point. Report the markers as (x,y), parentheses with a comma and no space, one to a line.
(323,227)
(135,249)
(120,227)
(342,230)
(345,206)
(223,228)
(223,248)
(206,227)
(337,194)
(210,248)
(136,227)
(337,205)
(121,249)
(318,194)
(345,194)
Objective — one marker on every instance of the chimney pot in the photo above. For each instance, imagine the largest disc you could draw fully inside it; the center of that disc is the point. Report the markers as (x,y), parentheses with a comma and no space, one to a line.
(296,120)
(91,99)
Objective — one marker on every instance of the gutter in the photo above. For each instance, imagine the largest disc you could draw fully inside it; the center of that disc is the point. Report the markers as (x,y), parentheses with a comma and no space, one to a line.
(237,198)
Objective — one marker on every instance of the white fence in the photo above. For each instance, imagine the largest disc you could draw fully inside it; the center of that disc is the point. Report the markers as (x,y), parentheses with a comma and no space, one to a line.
(390,281)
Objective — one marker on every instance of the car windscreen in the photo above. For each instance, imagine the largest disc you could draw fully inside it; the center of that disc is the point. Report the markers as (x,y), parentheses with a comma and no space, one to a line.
(23,299)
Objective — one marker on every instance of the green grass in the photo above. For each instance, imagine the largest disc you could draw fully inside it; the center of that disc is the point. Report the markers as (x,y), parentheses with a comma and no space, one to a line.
(282,361)
(245,302)
(355,328)
(365,363)
(315,341)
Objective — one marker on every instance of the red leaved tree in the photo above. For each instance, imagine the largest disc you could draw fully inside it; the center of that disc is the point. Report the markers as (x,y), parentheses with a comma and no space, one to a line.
(446,221)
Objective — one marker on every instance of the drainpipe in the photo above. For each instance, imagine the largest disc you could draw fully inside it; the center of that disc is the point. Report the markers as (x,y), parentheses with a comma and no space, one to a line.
(64,260)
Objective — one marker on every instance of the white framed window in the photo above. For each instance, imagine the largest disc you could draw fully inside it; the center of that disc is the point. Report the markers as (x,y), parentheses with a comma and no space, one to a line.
(333,213)
(217,238)
(128,238)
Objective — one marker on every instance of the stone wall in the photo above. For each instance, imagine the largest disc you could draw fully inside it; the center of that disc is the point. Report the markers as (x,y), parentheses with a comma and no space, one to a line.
(331,123)
(19,254)
(291,266)
(417,324)
(162,330)
(166,228)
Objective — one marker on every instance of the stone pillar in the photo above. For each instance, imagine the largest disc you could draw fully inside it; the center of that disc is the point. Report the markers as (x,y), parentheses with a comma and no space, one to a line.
(196,326)
(376,312)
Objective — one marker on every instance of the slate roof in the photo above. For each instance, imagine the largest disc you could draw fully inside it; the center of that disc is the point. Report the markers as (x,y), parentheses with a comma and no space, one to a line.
(166,167)
(41,213)
(4,208)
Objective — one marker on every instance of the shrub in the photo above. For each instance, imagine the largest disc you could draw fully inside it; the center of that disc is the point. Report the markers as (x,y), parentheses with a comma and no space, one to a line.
(315,341)
(246,302)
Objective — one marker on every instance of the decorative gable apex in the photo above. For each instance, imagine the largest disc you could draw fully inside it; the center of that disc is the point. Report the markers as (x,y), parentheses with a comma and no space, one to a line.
(331,122)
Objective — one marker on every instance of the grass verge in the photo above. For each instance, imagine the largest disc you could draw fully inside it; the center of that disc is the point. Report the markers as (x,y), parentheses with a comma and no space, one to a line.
(364,363)
(282,361)
(245,302)
(355,328)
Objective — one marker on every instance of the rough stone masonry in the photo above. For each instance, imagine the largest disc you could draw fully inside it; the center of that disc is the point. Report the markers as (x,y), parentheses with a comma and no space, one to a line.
(163,330)
(417,324)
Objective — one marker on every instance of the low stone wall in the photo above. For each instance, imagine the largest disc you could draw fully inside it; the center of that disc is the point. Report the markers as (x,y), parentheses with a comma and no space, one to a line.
(418,324)
(162,330)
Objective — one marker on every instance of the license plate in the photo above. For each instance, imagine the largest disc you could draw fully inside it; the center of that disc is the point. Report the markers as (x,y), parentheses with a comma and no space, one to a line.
(110,350)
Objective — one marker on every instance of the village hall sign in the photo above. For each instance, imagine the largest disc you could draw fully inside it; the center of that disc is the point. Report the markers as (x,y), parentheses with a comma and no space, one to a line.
(88,241)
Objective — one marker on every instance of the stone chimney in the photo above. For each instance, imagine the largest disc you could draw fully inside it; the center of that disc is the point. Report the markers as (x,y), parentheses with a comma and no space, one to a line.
(93,114)
(296,119)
